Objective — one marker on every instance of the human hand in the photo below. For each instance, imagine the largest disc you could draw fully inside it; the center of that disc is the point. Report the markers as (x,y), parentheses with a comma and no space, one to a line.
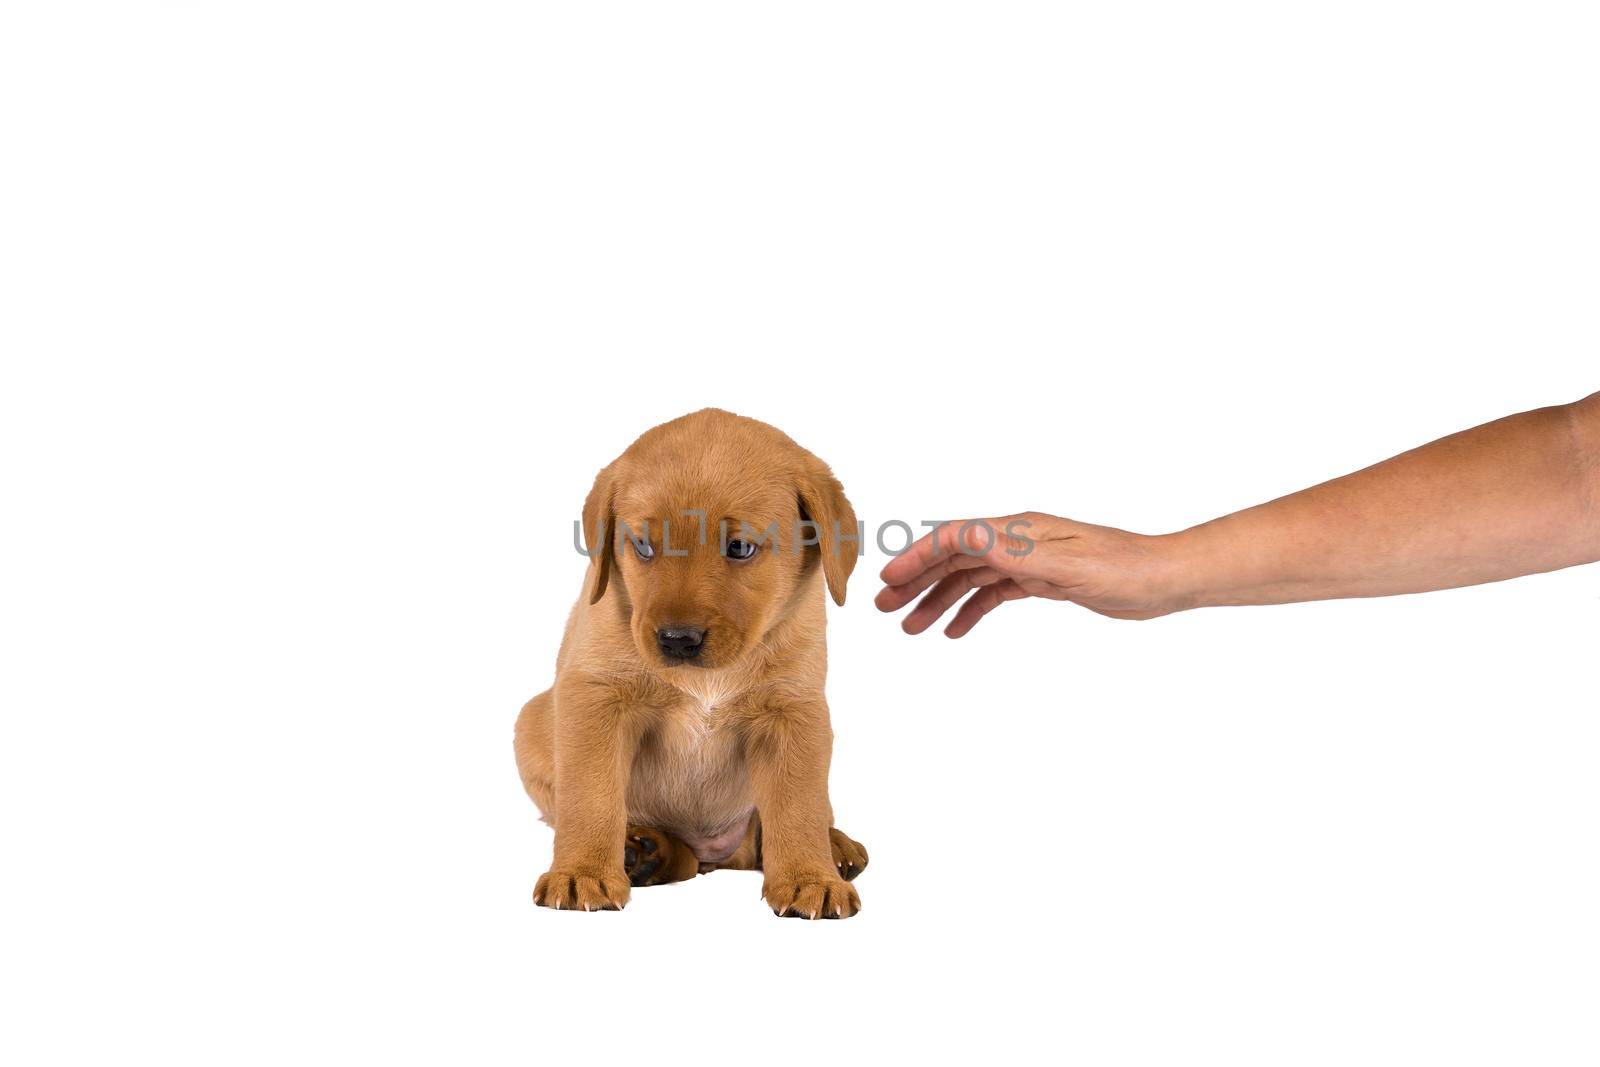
(1116,573)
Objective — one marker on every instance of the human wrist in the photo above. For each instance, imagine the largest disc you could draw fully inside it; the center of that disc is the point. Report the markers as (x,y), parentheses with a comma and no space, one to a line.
(1193,571)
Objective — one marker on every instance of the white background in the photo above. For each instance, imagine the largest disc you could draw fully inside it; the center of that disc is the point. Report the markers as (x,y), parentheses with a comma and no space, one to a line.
(319,319)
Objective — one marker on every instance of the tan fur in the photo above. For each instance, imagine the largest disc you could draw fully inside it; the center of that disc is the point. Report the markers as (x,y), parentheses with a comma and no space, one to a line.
(733,746)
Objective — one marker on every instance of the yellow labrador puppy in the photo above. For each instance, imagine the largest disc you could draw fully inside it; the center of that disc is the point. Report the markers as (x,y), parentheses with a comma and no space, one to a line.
(687,729)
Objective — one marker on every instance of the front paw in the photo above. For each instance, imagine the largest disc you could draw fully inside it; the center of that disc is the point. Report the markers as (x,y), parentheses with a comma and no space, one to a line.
(581,890)
(819,895)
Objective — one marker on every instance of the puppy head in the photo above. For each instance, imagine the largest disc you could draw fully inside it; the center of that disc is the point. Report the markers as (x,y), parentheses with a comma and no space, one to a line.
(713,525)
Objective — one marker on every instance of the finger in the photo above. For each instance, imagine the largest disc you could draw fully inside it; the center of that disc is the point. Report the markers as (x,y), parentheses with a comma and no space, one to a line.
(945,594)
(895,597)
(980,604)
(936,547)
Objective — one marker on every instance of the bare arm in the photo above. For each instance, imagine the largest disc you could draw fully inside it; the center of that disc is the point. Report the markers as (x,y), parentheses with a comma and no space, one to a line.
(1512,497)
(1515,496)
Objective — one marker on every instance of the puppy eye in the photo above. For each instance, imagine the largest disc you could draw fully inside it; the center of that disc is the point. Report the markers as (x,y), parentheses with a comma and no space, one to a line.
(741,549)
(643,549)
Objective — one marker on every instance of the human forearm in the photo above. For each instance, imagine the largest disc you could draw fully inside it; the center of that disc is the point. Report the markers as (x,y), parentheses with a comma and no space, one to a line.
(1515,496)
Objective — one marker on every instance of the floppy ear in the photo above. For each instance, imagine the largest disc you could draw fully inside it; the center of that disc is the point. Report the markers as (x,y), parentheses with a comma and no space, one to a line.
(599,530)
(822,500)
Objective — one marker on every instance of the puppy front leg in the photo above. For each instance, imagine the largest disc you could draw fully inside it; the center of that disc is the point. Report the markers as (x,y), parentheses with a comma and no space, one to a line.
(595,744)
(788,750)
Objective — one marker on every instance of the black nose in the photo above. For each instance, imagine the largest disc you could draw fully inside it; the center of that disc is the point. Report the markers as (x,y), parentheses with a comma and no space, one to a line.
(680,642)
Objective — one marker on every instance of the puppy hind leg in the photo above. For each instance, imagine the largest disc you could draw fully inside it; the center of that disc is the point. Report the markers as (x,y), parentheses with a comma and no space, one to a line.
(534,743)
(849,855)
(655,857)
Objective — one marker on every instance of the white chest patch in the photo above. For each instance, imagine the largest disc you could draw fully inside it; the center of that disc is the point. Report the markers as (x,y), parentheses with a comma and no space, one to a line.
(707,693)
(697,715)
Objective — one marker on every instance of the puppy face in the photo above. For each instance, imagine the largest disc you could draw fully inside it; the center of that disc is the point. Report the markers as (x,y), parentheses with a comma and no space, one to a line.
(702,609)
(700,593)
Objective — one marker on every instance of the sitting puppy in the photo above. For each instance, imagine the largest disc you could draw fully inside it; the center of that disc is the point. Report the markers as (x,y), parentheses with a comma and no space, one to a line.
(687,729)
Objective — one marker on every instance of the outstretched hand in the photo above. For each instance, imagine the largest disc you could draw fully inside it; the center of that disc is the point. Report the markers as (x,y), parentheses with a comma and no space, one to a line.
(1116,573)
